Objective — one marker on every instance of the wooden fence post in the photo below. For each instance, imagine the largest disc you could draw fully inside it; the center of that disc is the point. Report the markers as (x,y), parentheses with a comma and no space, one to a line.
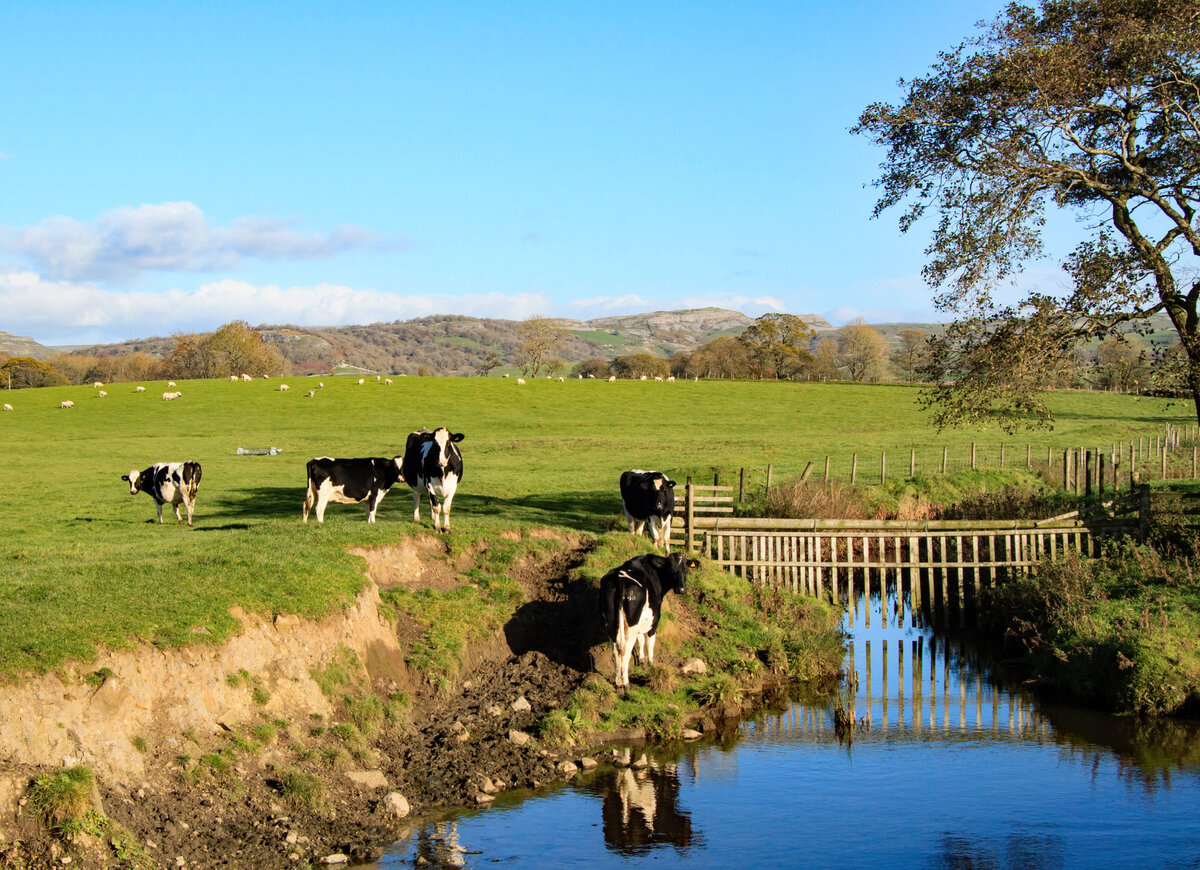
(853,467)
(1164,460)
(1001,454)
(1029,456)
(1066,469)
(688,517)
(768,477)
(945,457)
(1143,511)
(827,468)
(1087,473)
(883,468)
(1100,478)
(973,465)
(742,485)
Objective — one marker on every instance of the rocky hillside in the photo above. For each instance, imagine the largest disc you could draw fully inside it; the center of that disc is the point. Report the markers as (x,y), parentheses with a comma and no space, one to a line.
(19,345)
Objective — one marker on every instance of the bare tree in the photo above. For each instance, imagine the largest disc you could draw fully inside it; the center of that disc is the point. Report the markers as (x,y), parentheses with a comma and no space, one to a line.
(539,343)
(862,351)
(909,355)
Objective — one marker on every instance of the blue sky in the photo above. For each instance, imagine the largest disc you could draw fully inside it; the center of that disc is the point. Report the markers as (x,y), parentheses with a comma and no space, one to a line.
(170,167)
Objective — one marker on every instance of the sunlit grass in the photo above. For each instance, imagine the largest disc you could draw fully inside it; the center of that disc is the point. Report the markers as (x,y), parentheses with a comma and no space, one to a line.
(83,565)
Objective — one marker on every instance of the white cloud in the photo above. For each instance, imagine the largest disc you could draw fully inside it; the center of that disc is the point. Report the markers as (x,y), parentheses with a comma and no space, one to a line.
(126,242)
(597,306)
(64,312)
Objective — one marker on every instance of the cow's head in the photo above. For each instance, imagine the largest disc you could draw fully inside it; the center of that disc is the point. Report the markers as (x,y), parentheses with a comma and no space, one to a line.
(660,491)
(443,438)
(134,478)
(679,568)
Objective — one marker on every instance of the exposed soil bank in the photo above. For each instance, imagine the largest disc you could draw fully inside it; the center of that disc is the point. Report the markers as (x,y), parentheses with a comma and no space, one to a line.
(233,756)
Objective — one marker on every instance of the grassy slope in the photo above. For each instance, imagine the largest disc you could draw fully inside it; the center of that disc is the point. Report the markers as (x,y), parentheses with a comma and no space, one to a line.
(82,565)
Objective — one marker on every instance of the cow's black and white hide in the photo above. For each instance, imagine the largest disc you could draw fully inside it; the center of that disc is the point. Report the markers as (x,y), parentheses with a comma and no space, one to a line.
(349,481)
(631,604)
(173,483)
(649,497)
(433,465)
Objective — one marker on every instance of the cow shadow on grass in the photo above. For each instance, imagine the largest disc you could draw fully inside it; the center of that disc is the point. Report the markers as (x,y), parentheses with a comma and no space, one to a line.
(261,502)
(563,629)
(589,510)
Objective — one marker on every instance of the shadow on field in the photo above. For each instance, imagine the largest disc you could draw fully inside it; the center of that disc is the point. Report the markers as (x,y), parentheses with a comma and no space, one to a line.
(227,527)
(588,511)
(264,502)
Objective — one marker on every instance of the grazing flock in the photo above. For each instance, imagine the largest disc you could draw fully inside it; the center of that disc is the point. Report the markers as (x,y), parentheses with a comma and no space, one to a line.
(631,595)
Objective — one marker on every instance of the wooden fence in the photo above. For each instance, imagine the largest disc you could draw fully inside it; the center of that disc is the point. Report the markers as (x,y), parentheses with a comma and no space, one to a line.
(938,563)
(1100,470)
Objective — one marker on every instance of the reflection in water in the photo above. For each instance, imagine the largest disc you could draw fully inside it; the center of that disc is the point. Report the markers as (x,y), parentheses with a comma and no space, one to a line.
(950,770)
(641,809)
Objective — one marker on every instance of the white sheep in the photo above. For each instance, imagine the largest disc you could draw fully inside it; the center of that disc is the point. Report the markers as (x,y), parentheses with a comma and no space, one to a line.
(311,393)
(283,388)
(170,383)
(139,389)
(102,394)
(97,385)
(612,379)
(67,403)
(233,378)
(387,381)
(7,407)
(361,381)
(520,382)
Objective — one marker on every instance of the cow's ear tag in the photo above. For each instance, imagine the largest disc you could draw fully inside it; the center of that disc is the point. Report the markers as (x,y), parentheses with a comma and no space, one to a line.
(693,563)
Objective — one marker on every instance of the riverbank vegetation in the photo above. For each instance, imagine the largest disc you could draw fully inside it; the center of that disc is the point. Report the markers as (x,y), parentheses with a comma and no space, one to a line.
(1120,632)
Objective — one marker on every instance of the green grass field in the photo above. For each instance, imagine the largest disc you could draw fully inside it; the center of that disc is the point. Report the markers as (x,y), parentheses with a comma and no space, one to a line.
(82,563)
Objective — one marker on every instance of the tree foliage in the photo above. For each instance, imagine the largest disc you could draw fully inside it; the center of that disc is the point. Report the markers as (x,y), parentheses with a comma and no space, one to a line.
(1092,106)
(637,364)
(19,372)
(234,349)
(778,343)
(909,357)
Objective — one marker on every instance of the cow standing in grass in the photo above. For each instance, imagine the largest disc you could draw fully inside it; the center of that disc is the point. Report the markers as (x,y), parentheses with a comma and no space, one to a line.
(168,482)
(631,604)
(434,465)
(349,481)
(649,497)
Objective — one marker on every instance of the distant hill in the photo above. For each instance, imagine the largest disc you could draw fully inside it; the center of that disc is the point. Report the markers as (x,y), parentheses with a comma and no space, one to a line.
(19,345)
(452,344)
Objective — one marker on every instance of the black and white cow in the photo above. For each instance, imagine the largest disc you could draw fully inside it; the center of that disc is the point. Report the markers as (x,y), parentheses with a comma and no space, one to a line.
(631,603)
(434,465)
(349,481)
(168,482)
(649,496)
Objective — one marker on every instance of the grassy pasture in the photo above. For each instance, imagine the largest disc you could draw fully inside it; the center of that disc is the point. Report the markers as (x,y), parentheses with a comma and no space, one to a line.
(82,562)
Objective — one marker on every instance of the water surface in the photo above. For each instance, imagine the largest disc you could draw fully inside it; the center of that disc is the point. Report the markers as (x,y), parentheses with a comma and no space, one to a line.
(945,770)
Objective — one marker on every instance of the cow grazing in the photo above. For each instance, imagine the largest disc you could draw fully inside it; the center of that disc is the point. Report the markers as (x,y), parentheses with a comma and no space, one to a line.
(631,603)
(649,497)
(349,481)
(66,404)
(433,464)
(175,483)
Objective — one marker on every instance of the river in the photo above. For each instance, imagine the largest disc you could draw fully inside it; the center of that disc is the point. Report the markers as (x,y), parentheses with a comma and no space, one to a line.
(945,770)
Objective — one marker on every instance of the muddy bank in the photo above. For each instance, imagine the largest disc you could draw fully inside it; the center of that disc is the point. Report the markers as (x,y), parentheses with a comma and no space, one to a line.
(302,741)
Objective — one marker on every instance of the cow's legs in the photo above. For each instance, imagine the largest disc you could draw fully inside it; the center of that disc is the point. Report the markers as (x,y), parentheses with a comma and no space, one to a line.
(626,654)
(416,505)
(190,505)
(178,517)
(435,511)
(373,501)
(446,513)
(310,498)
(650,649)
(159,506)
(322,503)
